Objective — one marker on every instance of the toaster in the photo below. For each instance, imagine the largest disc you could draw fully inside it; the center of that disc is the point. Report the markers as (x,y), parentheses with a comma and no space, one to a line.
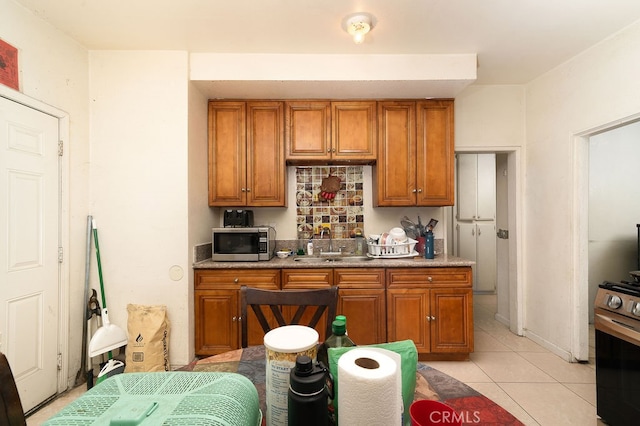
(238,218)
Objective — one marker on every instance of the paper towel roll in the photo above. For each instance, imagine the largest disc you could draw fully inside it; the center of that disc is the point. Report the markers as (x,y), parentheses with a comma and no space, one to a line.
(369,388)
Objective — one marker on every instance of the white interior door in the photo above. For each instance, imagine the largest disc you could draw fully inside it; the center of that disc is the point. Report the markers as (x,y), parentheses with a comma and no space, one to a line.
(29,232)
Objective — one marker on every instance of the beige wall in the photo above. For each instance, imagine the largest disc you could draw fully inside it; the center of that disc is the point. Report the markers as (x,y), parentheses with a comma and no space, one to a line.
(139,183)
(598,88)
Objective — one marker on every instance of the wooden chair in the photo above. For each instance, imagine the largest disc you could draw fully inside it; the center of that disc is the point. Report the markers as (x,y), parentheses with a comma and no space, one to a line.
(11,413)
(325,299)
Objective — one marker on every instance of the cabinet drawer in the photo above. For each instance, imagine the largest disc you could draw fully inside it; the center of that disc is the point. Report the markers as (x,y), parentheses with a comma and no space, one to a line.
(359,278)
(307,278)
(432,277)
(234,278)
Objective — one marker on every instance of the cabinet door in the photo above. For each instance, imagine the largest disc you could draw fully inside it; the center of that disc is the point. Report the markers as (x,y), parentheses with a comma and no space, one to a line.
(366,314)
(407,311)
(486,208)
(362,301)
(266,175)
(227,154)
(467,244)
(467,172)
(485,275)
(435,145)
(308,130)
(216,321)
(396,167)
(353,130)
(451,320)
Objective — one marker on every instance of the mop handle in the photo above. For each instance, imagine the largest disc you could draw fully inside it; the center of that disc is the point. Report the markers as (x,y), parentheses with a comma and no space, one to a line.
(95,239)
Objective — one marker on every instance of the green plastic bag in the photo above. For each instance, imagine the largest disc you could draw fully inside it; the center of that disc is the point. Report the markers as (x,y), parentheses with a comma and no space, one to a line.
(409,355)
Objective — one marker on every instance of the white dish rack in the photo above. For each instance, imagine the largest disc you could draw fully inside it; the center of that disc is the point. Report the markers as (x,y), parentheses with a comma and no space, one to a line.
(405,249)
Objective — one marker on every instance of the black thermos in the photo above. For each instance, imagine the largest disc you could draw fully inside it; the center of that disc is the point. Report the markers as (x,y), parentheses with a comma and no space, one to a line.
(307,405)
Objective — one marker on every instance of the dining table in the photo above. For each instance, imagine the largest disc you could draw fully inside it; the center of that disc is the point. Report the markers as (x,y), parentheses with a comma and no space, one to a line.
(473,407)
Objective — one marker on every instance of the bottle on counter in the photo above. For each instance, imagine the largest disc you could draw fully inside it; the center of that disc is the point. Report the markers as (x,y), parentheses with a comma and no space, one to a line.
(308,393)
(310,247)
(338,339)
(342,318)
(360,245)
(428,246)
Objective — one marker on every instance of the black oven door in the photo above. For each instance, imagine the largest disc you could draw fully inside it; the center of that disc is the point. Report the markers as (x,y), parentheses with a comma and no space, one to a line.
(617,369)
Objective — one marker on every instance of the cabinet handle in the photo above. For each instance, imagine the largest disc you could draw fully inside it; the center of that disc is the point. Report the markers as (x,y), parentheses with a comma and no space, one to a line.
(433,318)
(428,318)
(479,231)
(414,191)
(248,189)
(333,150)
(420,191)
(430,279)
(243,190)
(239,319)
(473,232)
(236,280)
(234,319)
(328,149)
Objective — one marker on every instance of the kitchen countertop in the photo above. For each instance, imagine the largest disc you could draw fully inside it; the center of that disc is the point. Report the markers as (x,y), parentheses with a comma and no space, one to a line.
(440,261)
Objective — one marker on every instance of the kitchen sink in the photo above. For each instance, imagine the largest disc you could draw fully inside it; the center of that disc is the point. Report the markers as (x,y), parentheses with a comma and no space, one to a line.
(345,258)
(356,258)
(316,259)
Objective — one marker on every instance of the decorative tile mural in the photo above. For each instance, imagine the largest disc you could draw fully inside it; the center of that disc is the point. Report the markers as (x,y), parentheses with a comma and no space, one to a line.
(329,196)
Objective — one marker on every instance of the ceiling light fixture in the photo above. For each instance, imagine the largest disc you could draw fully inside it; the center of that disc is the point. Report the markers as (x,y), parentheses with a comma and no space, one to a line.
(358,26)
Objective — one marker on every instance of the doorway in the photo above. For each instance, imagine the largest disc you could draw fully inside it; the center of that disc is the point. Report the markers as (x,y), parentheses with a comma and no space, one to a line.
(34,274)
(505,233)
(586,279)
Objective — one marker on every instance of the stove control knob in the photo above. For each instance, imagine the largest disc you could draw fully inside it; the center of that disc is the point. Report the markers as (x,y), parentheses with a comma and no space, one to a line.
(614,302)
(635,309)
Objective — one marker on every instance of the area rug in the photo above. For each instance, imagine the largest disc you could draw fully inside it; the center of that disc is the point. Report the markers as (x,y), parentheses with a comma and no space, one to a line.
(472,407)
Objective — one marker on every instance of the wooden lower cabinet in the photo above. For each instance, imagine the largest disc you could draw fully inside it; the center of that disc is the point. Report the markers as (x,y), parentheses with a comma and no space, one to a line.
(362,300)
(431,306)
(434,308)
(217,307)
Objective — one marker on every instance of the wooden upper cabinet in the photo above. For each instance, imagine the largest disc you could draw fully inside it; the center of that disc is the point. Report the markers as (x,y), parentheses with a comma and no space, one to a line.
(308,130)
(246,154)
(321,131)
(227,153)
(435,153)
(266,169)
(353,130)
(396,167)
(415,153)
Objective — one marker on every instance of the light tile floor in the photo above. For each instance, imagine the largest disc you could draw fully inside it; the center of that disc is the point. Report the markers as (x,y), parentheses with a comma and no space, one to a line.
(535,385)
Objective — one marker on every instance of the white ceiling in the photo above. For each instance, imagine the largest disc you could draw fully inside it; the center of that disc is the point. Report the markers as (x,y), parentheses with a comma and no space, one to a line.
(515,40)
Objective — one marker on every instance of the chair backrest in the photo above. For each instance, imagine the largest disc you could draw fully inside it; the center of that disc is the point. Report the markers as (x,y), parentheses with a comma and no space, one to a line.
(325,299)
(10,406)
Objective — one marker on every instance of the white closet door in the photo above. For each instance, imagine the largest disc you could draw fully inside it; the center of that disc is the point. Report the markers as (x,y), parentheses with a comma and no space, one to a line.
(485,276)
(486,198)
(467,186)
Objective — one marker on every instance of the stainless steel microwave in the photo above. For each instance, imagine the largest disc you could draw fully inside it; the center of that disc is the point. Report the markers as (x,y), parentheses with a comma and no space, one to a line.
(243,244)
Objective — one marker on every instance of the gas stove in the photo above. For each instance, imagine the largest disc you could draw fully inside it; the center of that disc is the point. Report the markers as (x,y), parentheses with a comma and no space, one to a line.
(622,297)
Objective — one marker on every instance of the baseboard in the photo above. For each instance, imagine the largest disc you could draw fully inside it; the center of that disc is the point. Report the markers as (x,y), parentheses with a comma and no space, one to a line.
(564,354)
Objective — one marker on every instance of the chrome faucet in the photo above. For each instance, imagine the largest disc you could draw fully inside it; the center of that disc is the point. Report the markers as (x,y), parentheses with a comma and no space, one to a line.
(330,238)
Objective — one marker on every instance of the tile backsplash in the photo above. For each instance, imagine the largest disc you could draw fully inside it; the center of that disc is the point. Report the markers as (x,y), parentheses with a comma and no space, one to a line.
(343,213)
